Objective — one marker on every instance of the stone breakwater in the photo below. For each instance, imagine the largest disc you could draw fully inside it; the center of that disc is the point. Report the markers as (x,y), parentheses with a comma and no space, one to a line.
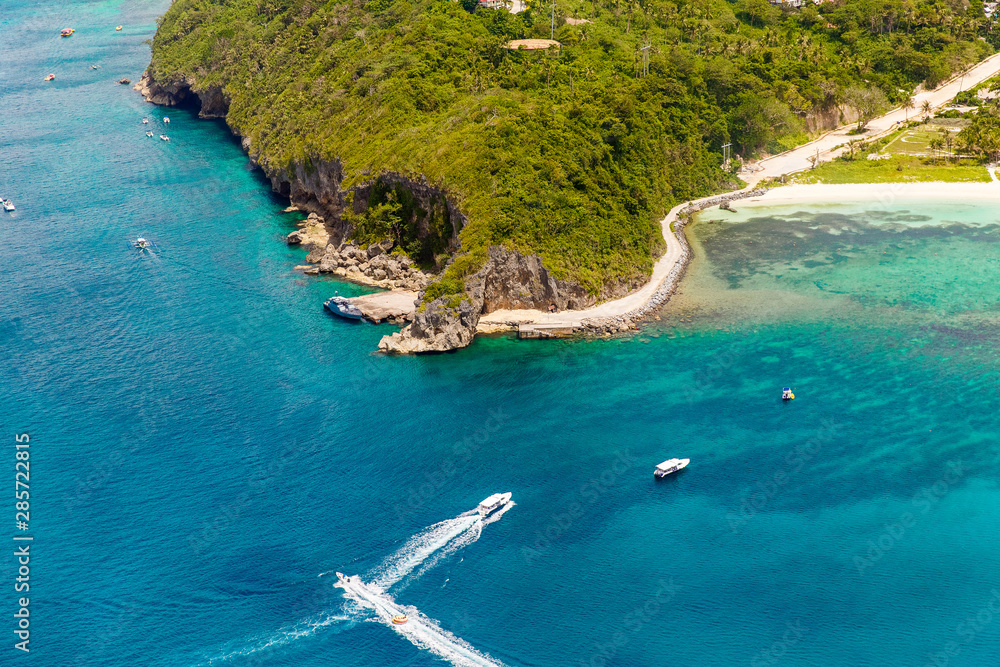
(627,321)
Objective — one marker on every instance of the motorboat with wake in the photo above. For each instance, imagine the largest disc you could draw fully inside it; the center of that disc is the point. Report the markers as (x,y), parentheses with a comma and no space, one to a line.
(493,503)
(670,466)
(342,306)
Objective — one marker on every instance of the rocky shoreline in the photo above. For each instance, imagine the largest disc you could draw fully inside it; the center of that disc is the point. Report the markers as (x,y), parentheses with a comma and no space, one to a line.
(508,280)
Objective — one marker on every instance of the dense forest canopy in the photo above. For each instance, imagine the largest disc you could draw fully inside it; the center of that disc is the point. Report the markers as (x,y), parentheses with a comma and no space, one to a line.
(572,152)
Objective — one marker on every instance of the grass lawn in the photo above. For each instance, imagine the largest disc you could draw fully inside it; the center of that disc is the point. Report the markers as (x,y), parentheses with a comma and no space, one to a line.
(916,140)
(914,169)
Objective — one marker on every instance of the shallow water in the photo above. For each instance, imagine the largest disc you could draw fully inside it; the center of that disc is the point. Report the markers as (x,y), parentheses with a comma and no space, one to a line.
(208,446)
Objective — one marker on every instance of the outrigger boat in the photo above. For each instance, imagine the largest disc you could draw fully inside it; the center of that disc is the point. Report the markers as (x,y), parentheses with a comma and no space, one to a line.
(339,305)
(669,466)
(140,244)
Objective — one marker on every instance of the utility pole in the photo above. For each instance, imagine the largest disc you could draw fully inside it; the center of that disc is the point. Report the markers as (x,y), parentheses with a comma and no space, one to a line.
(552,33)
(645,59)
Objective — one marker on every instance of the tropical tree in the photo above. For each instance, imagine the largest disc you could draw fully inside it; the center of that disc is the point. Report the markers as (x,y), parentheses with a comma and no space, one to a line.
(925,108)
(907,106)
(935,144)
(867,102)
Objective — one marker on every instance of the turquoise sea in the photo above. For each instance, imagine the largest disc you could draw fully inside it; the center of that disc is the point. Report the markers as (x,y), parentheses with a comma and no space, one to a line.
(208,446)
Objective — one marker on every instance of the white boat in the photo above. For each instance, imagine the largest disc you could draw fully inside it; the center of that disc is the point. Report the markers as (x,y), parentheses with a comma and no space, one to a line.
(166,120)
(8,205)
(338,305)
(669,466)
(494,502)
(149,134)
(164,137)
(145,120)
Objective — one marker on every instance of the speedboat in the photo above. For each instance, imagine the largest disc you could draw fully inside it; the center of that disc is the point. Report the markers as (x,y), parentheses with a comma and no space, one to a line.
(8,205)
(66,32)
(669,466)
(786,394)
(50,77)
(400,619)
(166,120)
(140,243)
(493,503)
(164,137)
(339,305)
(149,134)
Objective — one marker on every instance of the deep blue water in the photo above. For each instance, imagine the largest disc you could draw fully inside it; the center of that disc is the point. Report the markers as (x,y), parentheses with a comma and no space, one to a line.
(207,446)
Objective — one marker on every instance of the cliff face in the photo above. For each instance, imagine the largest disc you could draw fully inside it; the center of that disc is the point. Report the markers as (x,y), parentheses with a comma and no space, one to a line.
(508,280)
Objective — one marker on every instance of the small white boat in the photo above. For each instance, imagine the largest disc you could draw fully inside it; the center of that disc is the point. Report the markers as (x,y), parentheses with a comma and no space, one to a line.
(669,466)
(145,120)
(493,503)
(164,137)
(149,134)
(8,205)
(166,120)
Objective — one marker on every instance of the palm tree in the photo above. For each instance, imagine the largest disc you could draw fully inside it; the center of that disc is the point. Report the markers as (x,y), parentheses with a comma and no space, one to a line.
(907,105)
(948,139)
(926,109)
(935,145)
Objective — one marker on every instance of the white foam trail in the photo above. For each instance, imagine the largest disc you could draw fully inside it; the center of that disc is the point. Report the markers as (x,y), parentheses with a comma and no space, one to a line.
(432,545)
(423,632)
(286,635)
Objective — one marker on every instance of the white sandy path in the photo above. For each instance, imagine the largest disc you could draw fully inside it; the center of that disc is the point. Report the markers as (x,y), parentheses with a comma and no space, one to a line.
(797,159)
(785,163)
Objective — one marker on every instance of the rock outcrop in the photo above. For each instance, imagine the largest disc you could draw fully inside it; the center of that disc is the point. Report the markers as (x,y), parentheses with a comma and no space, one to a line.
(312,233)
(210,102)
(374,266)
(511,281)
(439,327)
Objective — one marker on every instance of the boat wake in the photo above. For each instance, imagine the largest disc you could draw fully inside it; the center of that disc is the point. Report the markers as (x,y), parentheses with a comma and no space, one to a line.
(423,632)
(419,554)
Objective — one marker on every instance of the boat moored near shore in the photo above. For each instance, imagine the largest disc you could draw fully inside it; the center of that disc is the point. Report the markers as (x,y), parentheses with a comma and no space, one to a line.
(670,466)
(342,306)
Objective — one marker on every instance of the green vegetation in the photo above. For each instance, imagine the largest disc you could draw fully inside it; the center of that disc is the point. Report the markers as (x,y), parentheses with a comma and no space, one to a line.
(897,169)
(571,152)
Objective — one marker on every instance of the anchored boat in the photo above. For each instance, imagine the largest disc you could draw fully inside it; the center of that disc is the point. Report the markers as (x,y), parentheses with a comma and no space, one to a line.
(493,503)
(787,394)
(670,466)
(8,205)
(339,305)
